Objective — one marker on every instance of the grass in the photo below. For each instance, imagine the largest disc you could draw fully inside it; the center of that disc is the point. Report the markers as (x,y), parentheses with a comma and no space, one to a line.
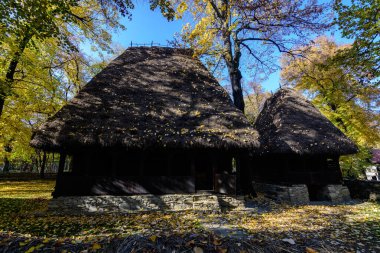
(327,228)
(27,189)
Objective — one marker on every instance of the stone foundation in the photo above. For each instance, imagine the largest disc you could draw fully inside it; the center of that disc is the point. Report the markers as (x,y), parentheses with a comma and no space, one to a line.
(363,189)
(335,193)
(294,194)
(129,204)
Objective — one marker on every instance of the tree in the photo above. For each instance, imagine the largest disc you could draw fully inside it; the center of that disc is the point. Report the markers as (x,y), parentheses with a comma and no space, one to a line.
(26,23)
(36,94)
(338,91)
(255,101)
(48,79)
(360,21)
(229,30)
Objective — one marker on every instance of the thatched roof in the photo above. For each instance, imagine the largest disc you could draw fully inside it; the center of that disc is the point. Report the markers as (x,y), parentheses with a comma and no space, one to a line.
(149,97)
(290,124)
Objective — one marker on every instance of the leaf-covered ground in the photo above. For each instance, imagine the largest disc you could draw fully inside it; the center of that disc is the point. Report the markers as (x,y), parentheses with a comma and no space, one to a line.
(30,189)
(26,227)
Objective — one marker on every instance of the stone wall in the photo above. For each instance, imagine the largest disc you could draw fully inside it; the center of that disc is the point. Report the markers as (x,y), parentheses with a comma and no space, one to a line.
(362,189)
(128,204)
(335,193)
(299,194)
(294,194)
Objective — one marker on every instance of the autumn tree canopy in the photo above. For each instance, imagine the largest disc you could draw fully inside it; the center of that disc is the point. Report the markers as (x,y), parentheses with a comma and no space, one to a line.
(26,24)
(42,63)
(251,30)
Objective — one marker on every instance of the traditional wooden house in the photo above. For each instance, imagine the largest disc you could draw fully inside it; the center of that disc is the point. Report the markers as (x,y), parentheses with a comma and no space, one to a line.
(153,121)
(299,145)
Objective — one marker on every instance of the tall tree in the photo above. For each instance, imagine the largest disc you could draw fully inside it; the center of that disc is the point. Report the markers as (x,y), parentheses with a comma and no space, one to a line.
(232,29)
(36,94)
(337,90)
(48,77)
(26,23)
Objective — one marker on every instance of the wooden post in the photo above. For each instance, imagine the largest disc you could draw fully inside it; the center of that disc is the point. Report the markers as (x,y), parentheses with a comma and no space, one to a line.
(141,164)
(113,163)
(42,171)
(193,171)
(338,169)
(169,164)
(61,166)
(238,160)
(214,166)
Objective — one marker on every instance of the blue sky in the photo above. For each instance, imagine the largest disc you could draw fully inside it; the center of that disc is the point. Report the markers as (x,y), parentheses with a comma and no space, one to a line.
(149,26)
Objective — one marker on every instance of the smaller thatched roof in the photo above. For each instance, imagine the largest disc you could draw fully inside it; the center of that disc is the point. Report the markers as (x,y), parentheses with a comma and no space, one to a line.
(149,97)
(290,124)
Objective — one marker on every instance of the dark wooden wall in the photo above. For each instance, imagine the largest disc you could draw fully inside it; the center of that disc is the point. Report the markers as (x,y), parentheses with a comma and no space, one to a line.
(148,171)
(296,169)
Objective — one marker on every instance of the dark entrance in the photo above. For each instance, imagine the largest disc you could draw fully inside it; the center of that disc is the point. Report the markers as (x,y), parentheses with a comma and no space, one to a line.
(204,176)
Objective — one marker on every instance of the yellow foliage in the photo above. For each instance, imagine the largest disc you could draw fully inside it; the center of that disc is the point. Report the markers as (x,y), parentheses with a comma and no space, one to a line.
(181,8)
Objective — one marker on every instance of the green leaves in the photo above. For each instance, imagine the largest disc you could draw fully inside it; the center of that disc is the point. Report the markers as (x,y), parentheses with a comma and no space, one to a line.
(360,22)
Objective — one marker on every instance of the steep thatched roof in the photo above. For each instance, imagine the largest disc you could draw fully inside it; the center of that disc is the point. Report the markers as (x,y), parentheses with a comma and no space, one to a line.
(149,97)
(288,123)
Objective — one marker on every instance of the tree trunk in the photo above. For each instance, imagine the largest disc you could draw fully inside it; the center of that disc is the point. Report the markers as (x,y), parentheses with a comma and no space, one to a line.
(235,75)
(2,100)
(8,150)
(232,60)
(42,171)
(237,91)
(6,165)
(9,77)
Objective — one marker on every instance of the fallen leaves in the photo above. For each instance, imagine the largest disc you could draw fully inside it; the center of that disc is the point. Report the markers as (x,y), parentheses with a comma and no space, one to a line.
(307,229)
(96,246)
(310,250)
(197,250)
(153,238)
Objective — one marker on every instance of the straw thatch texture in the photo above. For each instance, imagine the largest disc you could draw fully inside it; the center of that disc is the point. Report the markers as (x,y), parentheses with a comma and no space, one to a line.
(149,97)
(288,123)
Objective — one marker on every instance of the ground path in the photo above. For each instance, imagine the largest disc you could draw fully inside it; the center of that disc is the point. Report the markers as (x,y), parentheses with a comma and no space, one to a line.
(265,227)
